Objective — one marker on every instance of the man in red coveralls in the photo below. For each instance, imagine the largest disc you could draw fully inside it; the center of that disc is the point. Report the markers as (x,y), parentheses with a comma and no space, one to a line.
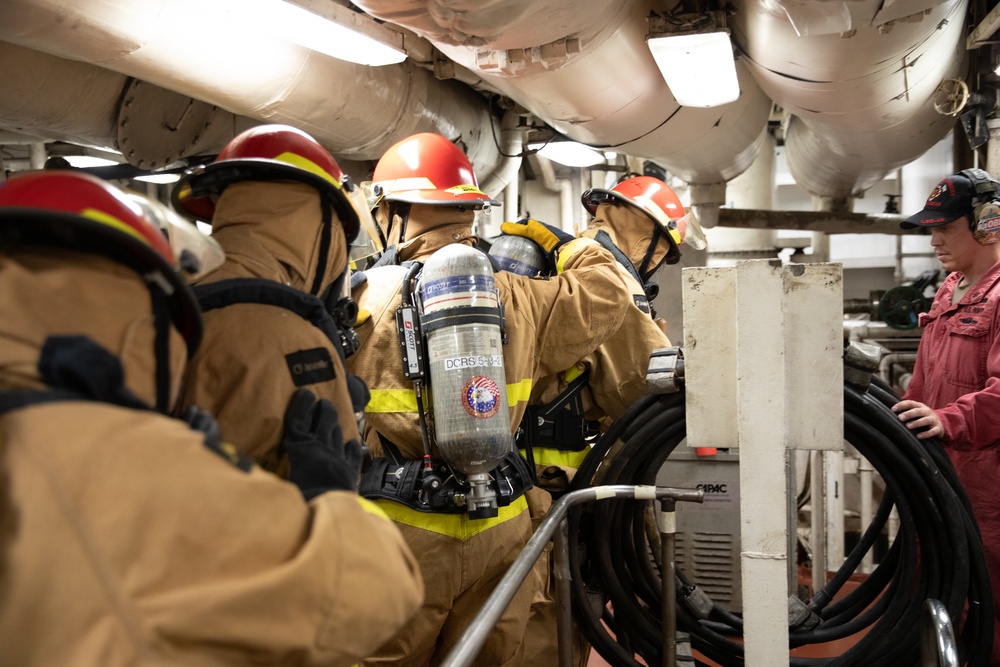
(955,390)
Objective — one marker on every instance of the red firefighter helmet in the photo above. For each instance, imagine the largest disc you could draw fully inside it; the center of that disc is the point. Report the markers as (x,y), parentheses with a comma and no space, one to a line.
(76,211)
(271,153)
(660,203)
(426,168)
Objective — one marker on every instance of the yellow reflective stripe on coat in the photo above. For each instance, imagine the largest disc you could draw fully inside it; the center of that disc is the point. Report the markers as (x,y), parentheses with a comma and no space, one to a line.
(459,526)
(572,373)
(371,508)
(518,392)
(404,400)
(392,400)
(544,456)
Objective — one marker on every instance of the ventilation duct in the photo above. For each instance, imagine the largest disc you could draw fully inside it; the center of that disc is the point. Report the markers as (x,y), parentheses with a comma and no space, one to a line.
(857,82)
(356,111)
(854,76)
(584,68)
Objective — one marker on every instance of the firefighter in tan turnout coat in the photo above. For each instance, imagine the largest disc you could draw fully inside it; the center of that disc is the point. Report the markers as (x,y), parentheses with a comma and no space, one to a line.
(275,322)
(429,194)
(138,539)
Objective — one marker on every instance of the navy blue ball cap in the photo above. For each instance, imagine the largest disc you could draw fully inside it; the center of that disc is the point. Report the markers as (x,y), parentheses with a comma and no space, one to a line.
(950,199)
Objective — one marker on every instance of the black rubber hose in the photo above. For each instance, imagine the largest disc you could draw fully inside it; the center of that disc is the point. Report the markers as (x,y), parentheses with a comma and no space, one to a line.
(937,553)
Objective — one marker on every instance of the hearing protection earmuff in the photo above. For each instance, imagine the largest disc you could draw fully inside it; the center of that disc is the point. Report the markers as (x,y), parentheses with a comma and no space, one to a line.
(985,219)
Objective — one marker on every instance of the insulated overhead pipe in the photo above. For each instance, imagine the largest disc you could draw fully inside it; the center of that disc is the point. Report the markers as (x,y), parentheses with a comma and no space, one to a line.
(584,68)
(857,83)
(355,111)
(857,80)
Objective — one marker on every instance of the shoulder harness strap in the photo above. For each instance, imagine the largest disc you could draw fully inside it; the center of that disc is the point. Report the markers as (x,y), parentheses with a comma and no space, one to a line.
(234,291)
(650,289)
(15,400)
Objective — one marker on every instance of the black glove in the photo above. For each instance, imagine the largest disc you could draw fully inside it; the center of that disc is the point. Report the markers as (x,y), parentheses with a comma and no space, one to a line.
(318,458)
(204,421)
(550,239)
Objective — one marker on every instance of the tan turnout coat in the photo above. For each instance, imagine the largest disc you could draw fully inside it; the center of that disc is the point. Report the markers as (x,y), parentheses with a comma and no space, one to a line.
(135,544)
(551,323)
(254,356)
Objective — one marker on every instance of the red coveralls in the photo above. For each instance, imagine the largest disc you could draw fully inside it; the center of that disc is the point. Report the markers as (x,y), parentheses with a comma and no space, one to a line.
(957,374)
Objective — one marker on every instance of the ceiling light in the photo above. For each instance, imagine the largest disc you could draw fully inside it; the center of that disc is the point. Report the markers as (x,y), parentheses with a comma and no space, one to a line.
(88,161)
(322,26)
(159,178)
(569,153)
(695,56)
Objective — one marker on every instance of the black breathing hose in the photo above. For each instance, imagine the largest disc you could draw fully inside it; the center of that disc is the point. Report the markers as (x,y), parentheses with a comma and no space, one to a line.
(937,552)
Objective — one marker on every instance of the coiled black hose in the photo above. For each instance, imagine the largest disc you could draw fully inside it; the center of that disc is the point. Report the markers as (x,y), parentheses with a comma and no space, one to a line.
(937,552)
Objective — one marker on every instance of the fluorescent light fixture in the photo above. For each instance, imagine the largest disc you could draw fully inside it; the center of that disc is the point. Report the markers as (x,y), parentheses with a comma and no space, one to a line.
(330,29)
(569,153)
(87,161)
(696,63)
(159,178)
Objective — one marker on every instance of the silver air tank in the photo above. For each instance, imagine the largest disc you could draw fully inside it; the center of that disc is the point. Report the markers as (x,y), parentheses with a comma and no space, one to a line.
(519,255)
(462,323)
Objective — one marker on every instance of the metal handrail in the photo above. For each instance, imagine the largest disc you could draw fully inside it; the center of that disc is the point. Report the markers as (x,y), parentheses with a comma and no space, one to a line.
(937,638)
(472,640)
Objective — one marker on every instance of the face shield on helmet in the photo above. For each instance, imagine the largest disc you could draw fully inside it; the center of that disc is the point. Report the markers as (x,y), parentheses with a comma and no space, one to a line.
(364,246)
(688,231)
(196,254)
(75,211)
(273,153)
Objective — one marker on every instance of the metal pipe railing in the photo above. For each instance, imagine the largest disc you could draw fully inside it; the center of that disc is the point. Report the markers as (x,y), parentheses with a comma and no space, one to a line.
(472,640)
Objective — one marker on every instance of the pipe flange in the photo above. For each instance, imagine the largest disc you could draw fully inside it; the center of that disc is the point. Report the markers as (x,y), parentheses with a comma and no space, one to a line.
(157,127)
(860,362)
(665,374)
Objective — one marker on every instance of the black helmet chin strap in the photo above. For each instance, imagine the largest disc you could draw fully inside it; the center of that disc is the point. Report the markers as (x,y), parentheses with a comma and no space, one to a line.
(644,269)
(325,239)
(161,349)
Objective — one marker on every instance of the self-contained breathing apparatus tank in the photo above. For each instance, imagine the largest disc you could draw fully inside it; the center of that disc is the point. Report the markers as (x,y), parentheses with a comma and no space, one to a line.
(461,317)
(520,255)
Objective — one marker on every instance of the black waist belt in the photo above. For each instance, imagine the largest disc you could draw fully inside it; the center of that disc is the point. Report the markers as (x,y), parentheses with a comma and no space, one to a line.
(409,483)
(562,429)
(559,424)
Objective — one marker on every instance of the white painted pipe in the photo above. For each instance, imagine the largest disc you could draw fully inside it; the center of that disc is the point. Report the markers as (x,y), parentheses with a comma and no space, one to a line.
(753,189)
(818,521)
(833,464)
(584,68)
(858,83)
(36,155)
(567,205)
(353,110)
(545,172)
(505,176)
(865,470)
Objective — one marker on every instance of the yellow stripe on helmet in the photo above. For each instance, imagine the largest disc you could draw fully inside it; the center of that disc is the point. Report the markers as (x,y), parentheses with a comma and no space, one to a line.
(310,166)
(111,221)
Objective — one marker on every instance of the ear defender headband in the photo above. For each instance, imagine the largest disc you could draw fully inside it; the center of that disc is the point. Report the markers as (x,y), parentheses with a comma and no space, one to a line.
(985,219)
